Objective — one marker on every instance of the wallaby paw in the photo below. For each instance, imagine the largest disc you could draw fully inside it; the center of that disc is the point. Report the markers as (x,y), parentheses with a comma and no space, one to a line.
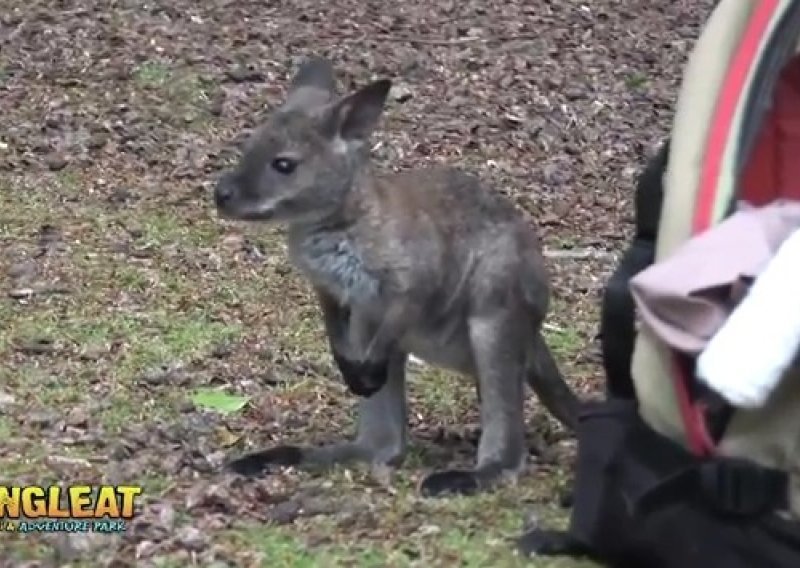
(256,463)
(451,482)
(363,378)
(549,543)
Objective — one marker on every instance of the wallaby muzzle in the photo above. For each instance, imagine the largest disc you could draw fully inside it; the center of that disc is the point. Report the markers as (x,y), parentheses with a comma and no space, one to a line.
(225,192)
(231,202)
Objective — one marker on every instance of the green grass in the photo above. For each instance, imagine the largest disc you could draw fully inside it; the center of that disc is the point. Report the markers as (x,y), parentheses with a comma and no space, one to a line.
(153,338)
(5,427)
(472,532)
(185,291)
(564,342)
(153,341)
(152,74)
(637,80)
(162,228)
(442,394)
(141,307)
(184,94)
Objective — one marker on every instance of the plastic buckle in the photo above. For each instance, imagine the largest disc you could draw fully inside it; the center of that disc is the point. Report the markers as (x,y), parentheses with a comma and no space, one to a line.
(741,488)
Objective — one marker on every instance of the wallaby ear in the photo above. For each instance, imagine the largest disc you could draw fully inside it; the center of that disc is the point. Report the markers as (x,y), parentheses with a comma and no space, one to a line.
(354,117)
(313,85)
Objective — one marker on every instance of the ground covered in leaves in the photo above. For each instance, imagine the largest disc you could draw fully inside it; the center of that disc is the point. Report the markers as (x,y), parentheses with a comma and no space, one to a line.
(123,295)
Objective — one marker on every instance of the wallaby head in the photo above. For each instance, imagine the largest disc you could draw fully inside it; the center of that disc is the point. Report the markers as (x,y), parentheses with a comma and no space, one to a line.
(299,165)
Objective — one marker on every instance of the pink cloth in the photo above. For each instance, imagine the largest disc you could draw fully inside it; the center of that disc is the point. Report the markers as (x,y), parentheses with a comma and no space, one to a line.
(684,299)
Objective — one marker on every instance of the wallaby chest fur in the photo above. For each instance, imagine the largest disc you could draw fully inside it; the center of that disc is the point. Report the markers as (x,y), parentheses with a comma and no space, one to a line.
(434,237)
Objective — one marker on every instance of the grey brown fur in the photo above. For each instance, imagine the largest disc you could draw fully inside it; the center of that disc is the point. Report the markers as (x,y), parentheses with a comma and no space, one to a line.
(425,262)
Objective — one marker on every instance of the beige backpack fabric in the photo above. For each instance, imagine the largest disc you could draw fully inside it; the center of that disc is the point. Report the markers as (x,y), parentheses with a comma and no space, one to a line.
(769,435)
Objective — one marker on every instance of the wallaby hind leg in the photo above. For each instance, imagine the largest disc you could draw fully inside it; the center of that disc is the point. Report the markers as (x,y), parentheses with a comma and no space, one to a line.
(499,352)
(549,385)
(382,435)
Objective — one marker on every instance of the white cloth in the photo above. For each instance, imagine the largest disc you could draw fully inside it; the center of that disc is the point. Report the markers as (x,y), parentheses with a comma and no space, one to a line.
(746,358)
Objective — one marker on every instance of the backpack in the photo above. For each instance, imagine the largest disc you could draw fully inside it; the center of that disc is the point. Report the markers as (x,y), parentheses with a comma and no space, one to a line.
(668,474)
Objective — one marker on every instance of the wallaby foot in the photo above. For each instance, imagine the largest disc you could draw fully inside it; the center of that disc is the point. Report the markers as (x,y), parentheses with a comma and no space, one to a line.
(255,463)
(262,461)
(550,543)
(382,434)
(461,482)
(450,482)
(498,349)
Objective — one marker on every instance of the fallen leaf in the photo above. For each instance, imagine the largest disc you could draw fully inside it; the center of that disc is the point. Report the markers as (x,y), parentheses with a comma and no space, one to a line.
(7,400)
(227,438)
(216,399)
(21,293)
(56,162)
(66,465)
(192,538)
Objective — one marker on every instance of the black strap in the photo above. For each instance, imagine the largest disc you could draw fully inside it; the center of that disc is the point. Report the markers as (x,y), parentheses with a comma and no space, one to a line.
(728,486)
(649,195)
(617,320)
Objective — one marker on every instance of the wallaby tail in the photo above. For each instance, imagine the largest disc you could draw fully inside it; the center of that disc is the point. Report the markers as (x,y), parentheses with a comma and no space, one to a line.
(547,382)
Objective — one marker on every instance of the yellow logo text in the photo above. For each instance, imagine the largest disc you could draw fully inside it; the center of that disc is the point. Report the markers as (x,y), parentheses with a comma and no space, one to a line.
(77,502)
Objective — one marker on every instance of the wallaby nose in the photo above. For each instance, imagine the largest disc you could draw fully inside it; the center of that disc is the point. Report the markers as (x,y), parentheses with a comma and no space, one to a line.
(224,190)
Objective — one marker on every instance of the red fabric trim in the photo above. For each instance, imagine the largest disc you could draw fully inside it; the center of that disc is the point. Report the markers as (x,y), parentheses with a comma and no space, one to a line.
(692,414)
(727,102)
(759,179)
(773,168)
(697,436)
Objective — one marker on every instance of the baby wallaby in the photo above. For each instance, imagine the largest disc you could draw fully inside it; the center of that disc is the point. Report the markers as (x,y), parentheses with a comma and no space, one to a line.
(424,262)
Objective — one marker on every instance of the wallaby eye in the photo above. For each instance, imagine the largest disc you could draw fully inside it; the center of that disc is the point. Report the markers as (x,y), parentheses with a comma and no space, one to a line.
(284,165)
